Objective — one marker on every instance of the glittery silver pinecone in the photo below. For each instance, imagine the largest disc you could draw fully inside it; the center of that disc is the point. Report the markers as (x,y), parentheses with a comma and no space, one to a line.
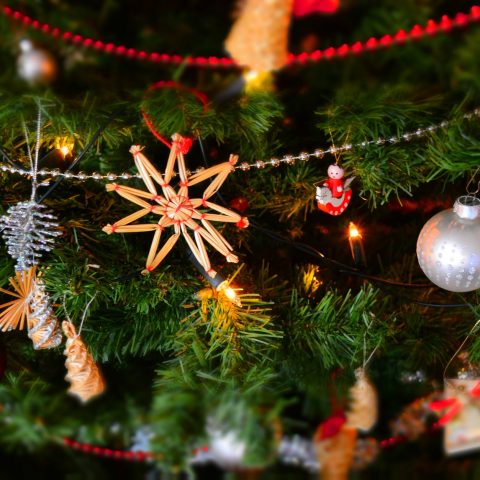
(29,230)
(43,328)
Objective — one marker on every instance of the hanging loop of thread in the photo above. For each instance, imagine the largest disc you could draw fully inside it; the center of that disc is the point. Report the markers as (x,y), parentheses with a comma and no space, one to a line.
(70,327)
(472,179)
(183,145)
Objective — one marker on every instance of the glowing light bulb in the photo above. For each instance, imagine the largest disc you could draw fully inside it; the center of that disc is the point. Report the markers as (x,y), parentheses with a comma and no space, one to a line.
(353,231)
(229,292)
(65,150)
(258,81)
(356,246)
(64,145)
(251,76)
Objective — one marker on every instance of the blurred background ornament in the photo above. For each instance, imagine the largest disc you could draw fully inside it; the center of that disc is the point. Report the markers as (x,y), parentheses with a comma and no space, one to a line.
(302,8)
(460,407)
(366,452)
(335,453)
(363,411)
(298,451)
(225,449)
(258,39)
(240,204)
(412,421)
(448,247)
(142,439)
(418,376)
(35,65)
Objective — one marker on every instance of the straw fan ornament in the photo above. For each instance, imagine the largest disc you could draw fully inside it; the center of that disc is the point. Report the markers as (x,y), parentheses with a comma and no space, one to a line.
(31,303)
(176,209)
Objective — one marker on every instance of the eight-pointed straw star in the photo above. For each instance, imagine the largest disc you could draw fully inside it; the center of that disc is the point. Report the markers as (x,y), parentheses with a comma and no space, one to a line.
(177,209)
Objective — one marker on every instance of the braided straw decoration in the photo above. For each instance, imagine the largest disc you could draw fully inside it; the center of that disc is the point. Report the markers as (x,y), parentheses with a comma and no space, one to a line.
(41,321)
(363,412)
(83,374)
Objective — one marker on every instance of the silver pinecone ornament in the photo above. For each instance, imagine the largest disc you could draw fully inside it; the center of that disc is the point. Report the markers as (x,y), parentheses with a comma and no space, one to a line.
(29,230)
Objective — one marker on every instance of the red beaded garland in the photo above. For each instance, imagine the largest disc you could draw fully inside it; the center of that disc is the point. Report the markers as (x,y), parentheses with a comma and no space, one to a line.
(431,28)
(142,456)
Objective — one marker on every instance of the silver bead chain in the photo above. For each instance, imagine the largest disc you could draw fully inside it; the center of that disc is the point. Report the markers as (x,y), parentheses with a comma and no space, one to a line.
(259,164)
(334,150)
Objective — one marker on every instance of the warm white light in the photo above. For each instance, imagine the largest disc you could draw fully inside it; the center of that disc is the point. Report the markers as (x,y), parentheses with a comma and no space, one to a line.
(229,292)
(65,150)
(251,76)
(353,231)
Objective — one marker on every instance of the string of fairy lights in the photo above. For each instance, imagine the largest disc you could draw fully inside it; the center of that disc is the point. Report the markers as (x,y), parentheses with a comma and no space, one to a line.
(287,159)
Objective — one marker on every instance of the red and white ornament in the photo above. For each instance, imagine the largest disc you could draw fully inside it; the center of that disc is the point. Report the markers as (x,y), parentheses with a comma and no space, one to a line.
(334,194)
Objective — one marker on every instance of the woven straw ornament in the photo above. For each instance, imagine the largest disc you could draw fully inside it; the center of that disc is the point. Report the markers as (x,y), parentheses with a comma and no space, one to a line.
(83,374)
(259,37)
(363,412)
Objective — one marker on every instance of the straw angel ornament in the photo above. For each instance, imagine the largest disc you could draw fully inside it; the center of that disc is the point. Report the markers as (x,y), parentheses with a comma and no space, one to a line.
(176,209)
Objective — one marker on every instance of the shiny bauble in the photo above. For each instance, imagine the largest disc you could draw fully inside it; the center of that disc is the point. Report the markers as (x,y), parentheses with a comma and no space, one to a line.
(34,65)
(448,247)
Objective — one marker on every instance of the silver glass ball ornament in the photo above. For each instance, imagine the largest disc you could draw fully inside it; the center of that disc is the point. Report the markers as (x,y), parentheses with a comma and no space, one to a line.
(34,65)
(448,247)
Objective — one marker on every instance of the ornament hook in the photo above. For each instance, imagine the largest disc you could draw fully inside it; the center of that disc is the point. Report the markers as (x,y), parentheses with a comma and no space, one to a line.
(472,179)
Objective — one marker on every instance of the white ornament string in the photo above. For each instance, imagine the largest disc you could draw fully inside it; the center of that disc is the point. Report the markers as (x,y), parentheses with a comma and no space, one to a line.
(259,164)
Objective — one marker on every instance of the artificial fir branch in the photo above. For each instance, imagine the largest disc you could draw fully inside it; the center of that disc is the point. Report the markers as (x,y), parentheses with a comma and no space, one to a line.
(336,327)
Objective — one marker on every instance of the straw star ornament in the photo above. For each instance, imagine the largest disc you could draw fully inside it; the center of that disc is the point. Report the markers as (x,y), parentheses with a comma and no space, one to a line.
(187,216)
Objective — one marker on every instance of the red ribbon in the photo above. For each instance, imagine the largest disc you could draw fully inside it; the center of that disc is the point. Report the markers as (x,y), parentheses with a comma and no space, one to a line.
(182,146)
(452,405)
(330,427)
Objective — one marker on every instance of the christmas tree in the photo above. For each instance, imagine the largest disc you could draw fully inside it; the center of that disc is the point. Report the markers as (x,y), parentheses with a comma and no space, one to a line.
(240,239)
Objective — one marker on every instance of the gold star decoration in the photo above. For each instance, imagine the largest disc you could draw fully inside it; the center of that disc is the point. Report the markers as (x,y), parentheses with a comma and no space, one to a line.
(177,209)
